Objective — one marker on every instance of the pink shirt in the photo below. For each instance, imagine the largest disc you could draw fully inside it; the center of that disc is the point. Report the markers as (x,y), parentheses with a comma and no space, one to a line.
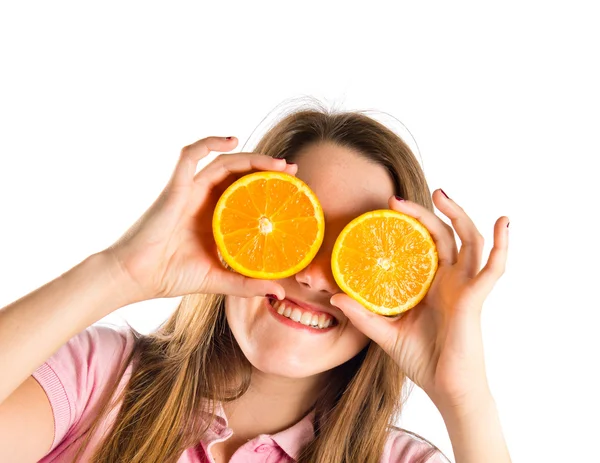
(75,376)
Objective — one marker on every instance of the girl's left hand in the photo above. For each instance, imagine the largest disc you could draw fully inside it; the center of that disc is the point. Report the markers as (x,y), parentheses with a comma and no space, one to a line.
(438,343)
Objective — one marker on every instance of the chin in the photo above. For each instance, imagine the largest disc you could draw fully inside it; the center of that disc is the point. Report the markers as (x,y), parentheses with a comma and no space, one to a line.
(286,363)
(285,371)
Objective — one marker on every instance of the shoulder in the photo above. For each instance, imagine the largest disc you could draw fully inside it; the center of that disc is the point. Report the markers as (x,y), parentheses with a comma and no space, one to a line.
(96,348)
(403,446)
(76,375)
(104,340)
(86,361)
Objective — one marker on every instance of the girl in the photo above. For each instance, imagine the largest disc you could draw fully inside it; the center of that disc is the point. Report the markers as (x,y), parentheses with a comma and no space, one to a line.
(223,379)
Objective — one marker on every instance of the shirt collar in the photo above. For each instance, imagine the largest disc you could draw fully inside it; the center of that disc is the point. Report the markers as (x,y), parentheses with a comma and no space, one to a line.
(290,440)
(218,429)
(294,438)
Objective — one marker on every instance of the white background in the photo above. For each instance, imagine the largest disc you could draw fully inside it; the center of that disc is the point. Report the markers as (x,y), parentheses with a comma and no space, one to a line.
(502,98)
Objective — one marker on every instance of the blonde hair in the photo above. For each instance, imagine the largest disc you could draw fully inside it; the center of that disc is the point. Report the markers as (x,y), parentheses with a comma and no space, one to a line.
(192,362)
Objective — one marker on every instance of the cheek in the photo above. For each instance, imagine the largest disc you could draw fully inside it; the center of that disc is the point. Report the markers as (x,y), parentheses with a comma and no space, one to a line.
(252,328)
(355,340)
(240,314)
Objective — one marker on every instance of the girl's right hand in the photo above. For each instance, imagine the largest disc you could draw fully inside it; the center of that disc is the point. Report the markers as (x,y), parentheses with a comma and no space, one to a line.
(170,251)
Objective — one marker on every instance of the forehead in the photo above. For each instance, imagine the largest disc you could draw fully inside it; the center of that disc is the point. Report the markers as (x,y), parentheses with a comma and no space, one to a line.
(346,182)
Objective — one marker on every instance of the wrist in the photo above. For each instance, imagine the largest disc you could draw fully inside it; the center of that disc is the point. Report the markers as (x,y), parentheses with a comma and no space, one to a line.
(466,410)
(475,431)
(464,404)
(124,288)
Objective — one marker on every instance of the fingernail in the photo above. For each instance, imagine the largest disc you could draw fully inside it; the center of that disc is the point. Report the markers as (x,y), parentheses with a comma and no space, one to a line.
(444,193)
(228,138)
(398,198)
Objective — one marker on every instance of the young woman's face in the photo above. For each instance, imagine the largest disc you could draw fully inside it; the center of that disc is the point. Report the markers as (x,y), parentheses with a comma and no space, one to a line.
(347,185)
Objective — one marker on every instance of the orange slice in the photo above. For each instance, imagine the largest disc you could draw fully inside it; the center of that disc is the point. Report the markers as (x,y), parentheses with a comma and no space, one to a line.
(268,225)
(385,260)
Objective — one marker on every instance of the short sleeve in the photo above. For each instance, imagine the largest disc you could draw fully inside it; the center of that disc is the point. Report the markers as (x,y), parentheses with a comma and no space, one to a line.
(75,377)
(405,447)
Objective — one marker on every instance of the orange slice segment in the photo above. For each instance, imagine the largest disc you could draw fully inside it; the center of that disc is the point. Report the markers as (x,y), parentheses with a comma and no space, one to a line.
(385,260)
(268,225)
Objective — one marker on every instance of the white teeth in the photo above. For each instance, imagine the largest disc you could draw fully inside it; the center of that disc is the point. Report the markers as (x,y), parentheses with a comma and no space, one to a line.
(322,318)
(296,315)
(306,318)
(314,320)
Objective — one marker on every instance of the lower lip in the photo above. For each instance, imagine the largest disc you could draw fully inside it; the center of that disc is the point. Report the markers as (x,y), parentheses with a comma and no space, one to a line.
(296,325)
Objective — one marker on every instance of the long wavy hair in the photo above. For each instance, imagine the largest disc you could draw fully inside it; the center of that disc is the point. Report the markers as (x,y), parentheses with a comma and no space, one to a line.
(192,362)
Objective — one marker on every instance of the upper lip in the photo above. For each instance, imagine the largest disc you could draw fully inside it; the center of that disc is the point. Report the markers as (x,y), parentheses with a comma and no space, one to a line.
(316,308)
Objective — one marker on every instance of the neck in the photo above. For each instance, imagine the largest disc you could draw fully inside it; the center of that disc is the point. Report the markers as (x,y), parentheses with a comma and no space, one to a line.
(272,404)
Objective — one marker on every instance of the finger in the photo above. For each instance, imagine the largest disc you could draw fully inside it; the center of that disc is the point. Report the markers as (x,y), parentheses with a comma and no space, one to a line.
(190,155)
(441,232)
(471,248)
(225,165)
(378,328)
(291,169)
(496,264)
(228,282)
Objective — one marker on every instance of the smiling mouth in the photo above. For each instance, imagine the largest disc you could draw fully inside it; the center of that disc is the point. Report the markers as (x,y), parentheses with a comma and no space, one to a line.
(300,315)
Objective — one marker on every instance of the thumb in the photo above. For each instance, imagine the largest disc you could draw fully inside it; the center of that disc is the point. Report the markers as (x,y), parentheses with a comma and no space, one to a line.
(235,284)
(377,327)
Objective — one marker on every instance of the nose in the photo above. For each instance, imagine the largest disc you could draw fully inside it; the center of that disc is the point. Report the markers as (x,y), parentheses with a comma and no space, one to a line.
(317,276)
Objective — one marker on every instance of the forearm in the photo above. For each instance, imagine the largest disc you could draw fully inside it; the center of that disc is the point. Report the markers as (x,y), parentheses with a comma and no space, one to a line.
(475,432)
(35,326)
